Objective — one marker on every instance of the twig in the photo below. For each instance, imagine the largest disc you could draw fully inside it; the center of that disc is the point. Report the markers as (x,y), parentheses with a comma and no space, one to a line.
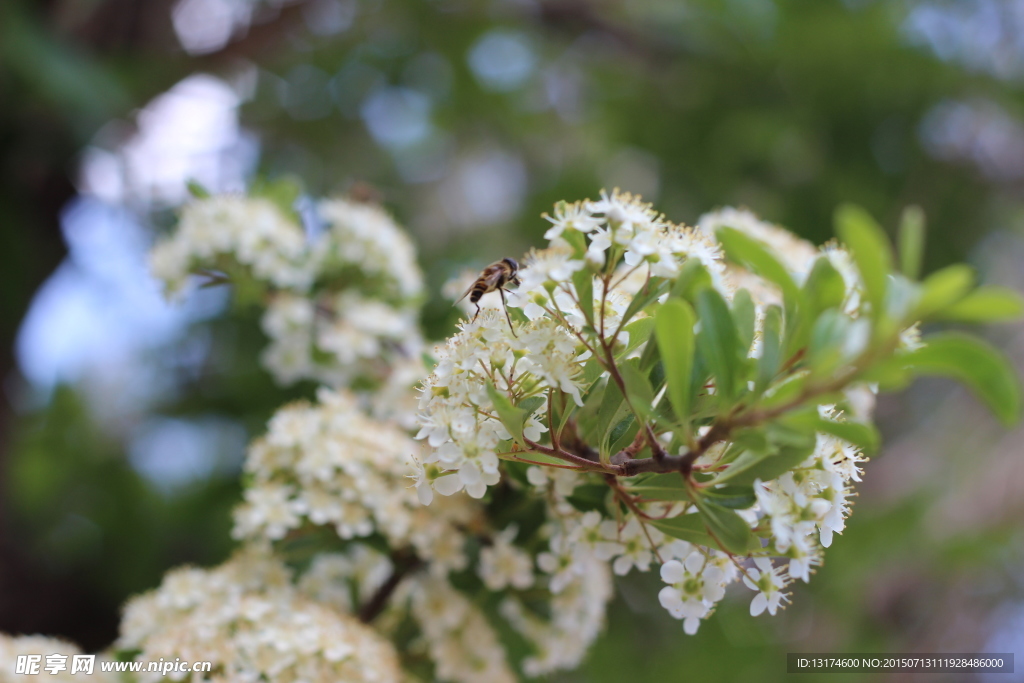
(405,563)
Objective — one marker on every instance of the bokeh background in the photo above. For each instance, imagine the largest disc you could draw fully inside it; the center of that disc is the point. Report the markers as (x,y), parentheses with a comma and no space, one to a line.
(123,420)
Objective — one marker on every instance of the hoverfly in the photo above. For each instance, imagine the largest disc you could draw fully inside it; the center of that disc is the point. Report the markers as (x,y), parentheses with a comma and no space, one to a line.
(494,277)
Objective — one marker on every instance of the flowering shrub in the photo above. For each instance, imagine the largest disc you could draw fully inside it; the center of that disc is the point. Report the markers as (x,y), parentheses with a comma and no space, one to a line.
(695,400)
(248,620)
(340,297)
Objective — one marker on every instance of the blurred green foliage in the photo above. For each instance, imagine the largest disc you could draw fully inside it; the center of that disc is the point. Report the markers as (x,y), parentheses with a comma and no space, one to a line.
(790,108)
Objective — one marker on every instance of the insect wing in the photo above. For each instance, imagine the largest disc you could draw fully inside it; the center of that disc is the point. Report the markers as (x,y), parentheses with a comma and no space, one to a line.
(490,278)
(466,293)
(493,276)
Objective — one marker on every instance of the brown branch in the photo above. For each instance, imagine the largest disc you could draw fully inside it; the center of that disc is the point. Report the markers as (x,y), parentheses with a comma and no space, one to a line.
(645,428)
(571,457)
(405,563)
(630,451)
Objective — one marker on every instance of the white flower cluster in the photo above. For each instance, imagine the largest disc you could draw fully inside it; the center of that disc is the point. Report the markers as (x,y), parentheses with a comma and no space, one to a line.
(342,462)
(459,639)
(231,233)
(800,507)
(340,304)
(503,564)
(330,464)
(697,581)
(810,503)
(361,237)
(336,578)
(579,580)
(458,418)
(621,224)
(550,349)
(360,317)
(11,647)
(248,619)
(577,619)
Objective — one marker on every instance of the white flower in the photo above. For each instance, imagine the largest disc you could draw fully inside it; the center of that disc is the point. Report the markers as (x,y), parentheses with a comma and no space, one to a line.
(635,548)
(577,617)
(834,521)
(553,265)
(695,585)
(575,216)
(428,478)
(503,564)
(623,209)
(362,235)
(464,647)
(271,507)
(768,581)
(332,578)
(600,241)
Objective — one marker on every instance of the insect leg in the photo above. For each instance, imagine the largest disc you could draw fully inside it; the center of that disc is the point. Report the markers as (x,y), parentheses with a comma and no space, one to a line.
(477,312)
(501,290)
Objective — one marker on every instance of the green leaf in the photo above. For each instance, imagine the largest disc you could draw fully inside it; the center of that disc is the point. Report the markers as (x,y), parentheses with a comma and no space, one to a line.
(781,434)
(831,330)
(785,390)
(870,248)
(592,371)
(639,331)
(891,374)
(651,356)
(688,527)
(911,238)
(673,330)
(943,288)
(583,281)
(537,457)
(510,416)
(862,435)
(975,363)
(578,241)
(589,497)
(692,278)
(731,531)
(637,385)
(567,412)
(529,405)
(667,486)
(719,342)
(824,287)
(732,497)
(756,257)
(611,402)
(283,192)
(196,189)
(654,287)
(623,433)
(900,303)
(764,466)
(744,316)
(985,305)
(771,348)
